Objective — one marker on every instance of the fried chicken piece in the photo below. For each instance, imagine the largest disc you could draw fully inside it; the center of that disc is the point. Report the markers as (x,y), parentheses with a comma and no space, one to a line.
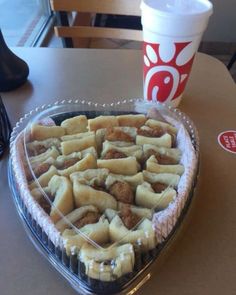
(43,202)
(162,159)
(99,187)
(129,218)
(42,168)
(154,132)
(69,162)
(117,135)
(122,191)
(159,187)
(113,154)
(36,150)
(90,217)
(39,170)
(45,205)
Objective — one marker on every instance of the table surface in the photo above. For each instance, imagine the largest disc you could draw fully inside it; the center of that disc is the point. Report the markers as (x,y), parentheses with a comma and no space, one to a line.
(203,260)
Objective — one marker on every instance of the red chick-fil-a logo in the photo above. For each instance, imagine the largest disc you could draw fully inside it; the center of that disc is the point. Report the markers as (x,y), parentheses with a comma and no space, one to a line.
(166,70)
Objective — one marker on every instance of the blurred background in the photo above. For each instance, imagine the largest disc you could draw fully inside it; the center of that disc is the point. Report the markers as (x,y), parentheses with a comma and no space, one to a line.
(30,23)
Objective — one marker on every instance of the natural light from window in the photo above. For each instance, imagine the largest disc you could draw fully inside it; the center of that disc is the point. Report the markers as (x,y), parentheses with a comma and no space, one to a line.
(22,21)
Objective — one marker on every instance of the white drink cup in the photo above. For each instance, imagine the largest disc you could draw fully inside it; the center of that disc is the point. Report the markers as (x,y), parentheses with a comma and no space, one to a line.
(171,35)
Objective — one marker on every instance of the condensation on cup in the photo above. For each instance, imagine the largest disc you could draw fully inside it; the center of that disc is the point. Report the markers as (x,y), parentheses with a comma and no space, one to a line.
(172,31)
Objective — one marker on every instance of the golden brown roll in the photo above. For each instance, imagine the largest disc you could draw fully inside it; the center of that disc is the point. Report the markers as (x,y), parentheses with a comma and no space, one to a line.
(76,124)
(153,166)
(40,132)
(125,166)
(147,198)
(61,188)
(86,195)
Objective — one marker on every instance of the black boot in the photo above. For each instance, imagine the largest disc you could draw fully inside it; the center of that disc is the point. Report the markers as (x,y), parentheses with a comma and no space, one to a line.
(13,70)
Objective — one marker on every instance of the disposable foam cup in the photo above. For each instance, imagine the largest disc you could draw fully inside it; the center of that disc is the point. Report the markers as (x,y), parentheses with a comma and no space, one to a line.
(171,37)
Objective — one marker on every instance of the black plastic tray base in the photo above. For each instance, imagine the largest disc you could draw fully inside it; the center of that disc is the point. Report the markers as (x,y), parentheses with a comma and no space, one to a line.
(70,267)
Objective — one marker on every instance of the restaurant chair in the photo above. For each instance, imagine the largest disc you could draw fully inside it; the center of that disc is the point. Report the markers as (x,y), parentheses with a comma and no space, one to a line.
(232,61)
(76,20)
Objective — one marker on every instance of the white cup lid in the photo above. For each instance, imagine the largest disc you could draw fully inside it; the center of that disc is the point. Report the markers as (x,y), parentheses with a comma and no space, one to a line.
(170,8)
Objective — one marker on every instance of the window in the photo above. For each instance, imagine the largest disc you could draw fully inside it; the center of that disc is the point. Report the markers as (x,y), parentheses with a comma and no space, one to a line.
(24,21)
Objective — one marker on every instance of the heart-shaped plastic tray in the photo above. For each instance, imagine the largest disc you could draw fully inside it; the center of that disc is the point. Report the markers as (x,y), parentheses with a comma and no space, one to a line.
(46,237)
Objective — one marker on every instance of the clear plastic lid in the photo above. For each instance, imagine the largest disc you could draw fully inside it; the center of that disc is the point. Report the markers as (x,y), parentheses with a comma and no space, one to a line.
(106,182)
